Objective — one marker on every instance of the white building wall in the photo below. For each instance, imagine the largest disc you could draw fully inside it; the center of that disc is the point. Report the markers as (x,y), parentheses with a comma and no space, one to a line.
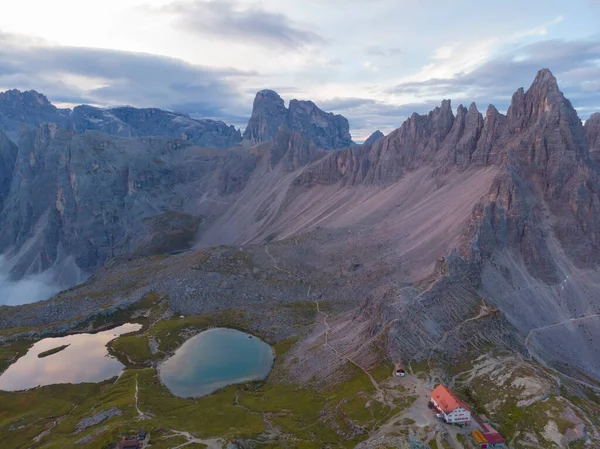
(460,415)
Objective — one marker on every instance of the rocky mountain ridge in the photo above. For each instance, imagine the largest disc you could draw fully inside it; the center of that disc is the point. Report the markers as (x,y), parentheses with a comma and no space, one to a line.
(31,108)
(326,130)
(510,201)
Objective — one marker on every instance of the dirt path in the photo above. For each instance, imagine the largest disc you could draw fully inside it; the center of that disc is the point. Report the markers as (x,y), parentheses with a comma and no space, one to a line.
(547,365)
(275,262)
(141,415)
(483,311)
(379,396)
(214,443)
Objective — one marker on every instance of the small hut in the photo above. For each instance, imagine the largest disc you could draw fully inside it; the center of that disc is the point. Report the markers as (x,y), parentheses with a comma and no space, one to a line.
(399,370)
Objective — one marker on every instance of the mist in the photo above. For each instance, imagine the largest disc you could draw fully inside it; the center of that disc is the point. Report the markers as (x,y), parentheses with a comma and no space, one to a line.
(40,286)
(30,289)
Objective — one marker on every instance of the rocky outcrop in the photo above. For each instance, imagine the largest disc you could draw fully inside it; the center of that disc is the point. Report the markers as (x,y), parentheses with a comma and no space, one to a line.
(268,114)
(461,142)
(373,138)
(292,149)
(8,158)
(592,130)
(33,109)
(548,173)
(133,122)
(30,108)
(490,146)
(327,130)
(81,195)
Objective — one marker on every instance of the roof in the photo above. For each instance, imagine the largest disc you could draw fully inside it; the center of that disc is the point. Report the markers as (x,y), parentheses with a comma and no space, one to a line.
(491,435)
(494,438)
(479,436)
(447,400)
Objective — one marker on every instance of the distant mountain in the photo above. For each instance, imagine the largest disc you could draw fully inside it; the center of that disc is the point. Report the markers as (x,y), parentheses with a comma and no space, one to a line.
(374,138)
(33,109)
(133,122)
(327,130)
(30,108)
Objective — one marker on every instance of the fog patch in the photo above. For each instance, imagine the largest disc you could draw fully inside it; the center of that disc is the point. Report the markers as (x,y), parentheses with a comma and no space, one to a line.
(37,287)
(30,289)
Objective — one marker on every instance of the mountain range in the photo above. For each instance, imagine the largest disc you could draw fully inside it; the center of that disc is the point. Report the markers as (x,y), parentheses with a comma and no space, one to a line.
(500,206)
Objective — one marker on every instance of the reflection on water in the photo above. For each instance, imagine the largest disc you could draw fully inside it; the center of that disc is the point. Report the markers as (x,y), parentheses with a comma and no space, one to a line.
(214,359)
(85,360)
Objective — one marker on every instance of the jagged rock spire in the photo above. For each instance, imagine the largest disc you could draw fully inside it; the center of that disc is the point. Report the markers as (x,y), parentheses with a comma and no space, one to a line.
(269,113)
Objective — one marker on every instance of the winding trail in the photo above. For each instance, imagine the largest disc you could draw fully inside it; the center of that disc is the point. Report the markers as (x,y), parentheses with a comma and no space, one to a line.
(214,443)
(141,415)
(275,262)
(380,396)
(545,364)
(483,311)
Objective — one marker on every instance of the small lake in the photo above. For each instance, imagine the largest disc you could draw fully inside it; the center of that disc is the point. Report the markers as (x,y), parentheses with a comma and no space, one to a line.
(86,359)
(214,359)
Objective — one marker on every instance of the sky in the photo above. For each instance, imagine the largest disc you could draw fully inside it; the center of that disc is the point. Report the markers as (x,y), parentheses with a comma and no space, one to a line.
(373,61)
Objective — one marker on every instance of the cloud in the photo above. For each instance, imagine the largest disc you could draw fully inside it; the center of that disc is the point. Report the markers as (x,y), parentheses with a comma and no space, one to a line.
(443,52)
(112,77)
(574,63)
(246,24)
(370,66)
(541,30)
(378,50)
(345,103)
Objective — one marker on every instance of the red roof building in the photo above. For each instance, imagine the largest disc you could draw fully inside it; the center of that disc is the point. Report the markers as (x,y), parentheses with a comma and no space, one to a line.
(447,404)
(488,437)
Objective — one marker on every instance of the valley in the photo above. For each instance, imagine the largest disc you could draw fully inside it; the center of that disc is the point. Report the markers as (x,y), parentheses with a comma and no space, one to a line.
(465,247)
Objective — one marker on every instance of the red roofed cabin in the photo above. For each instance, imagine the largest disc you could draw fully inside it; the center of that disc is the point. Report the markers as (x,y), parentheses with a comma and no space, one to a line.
(399,370)
(451,409)
(129,443)
(488,437)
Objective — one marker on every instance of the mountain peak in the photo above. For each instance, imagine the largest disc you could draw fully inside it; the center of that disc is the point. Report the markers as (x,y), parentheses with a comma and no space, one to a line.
(374,138)
(26,96)
(546,79)
(541,101)
(269,113)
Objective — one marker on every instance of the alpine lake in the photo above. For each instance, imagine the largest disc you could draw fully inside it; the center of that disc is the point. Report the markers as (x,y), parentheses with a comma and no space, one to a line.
(205,363)
(214,359)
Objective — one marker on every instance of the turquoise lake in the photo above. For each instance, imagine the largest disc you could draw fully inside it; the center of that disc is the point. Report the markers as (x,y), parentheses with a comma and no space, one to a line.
(214,359)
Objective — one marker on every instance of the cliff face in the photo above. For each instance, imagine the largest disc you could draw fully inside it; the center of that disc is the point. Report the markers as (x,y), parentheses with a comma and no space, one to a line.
(326,130)
(133,122)
(33,109)
(80,194)
(592,130)
(268,114)
(548,173)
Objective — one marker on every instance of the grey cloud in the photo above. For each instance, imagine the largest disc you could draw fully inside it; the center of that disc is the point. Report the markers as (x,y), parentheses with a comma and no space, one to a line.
(574,63)
(345,103)
(136,79)
(227,20)
(377,50)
